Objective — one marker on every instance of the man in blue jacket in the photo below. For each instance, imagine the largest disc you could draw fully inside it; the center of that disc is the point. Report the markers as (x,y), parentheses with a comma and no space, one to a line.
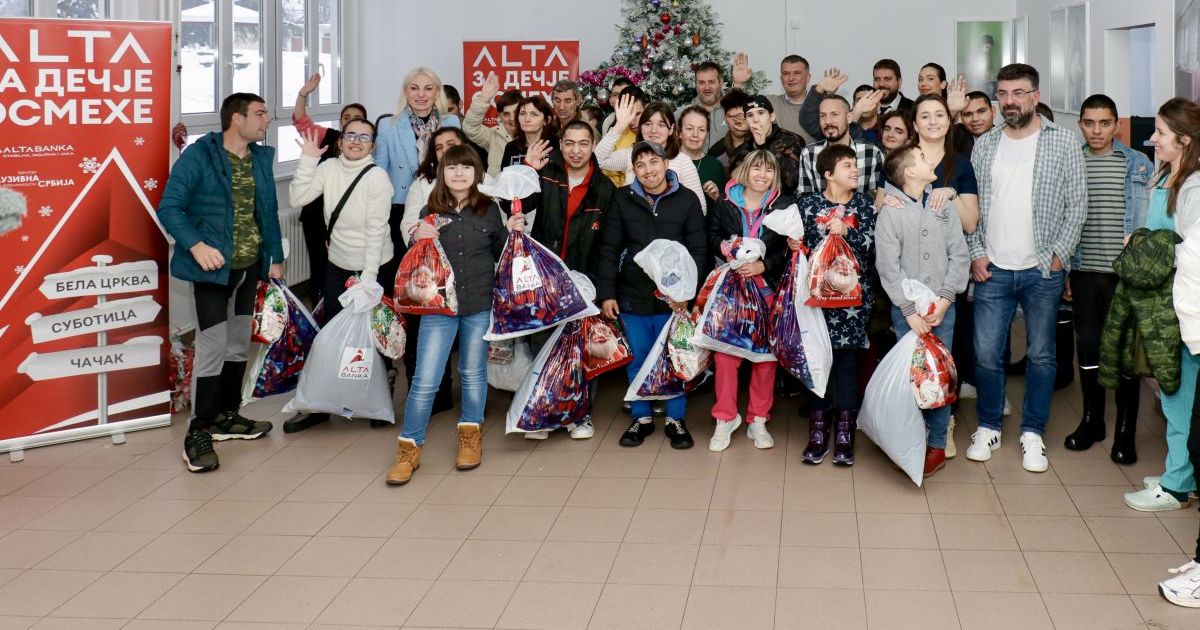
(219,206)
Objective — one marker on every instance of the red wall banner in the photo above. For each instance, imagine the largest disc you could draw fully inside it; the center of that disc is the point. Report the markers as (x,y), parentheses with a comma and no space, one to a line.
(84,130)
(532,67)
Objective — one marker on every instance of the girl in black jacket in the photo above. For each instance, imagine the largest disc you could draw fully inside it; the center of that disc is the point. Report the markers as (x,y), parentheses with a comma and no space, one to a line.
(653,206)
(473,239)
(751,194)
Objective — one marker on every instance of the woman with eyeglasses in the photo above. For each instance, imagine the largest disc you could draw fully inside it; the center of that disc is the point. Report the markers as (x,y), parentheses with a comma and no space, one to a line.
(359,243)
(312,219)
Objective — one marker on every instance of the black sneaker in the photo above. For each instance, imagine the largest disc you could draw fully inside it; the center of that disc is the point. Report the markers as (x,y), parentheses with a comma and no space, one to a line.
(302,421)
(233,426)
(198,453)
(678,434)
(637,432)
(380,424)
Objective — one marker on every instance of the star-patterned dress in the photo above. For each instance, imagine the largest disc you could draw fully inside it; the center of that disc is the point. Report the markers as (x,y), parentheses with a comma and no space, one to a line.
(847,326)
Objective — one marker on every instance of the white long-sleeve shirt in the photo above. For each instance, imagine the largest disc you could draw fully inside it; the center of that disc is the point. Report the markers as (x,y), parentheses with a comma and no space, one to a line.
(360,239)
(613,159)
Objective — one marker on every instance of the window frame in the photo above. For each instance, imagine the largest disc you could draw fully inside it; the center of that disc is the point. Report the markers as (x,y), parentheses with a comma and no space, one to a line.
(49,9)
(280,105)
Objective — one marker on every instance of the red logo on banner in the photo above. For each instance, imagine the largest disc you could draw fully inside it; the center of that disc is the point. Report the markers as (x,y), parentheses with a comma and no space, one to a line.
(532,67)
(84,120)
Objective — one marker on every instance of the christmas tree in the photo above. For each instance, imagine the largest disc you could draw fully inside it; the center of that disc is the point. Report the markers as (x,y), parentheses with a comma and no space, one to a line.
(658,47)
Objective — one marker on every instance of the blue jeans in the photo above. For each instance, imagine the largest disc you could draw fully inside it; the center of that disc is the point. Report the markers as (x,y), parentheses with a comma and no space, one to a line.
(937,421)
(995,302)
(642,331)
(433,348)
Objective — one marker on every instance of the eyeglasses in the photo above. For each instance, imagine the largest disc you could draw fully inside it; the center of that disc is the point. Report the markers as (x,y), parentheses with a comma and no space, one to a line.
(363,138)
(1015,95)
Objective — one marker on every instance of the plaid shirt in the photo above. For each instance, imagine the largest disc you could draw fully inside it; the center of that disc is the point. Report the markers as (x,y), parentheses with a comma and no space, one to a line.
(870,167)
(1059,193)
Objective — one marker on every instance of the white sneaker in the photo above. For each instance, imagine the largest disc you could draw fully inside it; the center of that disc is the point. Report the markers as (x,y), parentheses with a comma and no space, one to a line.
(722,432)
(1033,453)
(756,430)
(1153,499)
(537,435)
(1184,588)
(951,447)
(1007,407)
(967,390)
(583,430)
(983,442)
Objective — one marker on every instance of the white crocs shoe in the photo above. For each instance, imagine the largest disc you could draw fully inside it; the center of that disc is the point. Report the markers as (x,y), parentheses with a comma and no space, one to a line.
(1153,499)
(756,430)
(983,442)
(1033,453)
(722,432)
(1184,588)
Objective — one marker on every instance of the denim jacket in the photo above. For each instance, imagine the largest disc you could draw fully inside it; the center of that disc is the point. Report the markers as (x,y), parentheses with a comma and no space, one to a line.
(1138,171)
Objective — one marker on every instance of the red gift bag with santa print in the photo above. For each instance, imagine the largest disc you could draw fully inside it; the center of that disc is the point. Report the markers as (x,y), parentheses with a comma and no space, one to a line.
(605,347)
(425,281)
(834,277)
(933,374)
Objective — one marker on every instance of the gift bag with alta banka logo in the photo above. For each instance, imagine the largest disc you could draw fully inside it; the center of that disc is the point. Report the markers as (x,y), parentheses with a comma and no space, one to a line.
(345,375)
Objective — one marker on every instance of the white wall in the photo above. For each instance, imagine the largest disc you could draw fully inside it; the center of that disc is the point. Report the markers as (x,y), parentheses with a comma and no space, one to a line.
(1107,14)
(851,34)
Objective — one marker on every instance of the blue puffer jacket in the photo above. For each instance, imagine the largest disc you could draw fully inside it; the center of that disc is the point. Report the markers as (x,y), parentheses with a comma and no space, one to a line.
(197,205)
(396,150)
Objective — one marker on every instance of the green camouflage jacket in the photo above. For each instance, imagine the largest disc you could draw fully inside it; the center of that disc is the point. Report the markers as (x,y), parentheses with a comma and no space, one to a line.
(1142,312)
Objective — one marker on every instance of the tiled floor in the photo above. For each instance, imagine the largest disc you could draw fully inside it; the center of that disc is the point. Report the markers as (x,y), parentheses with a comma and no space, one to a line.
(301,532)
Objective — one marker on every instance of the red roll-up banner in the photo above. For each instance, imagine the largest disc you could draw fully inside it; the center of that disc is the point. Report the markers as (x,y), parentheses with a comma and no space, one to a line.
(84,153)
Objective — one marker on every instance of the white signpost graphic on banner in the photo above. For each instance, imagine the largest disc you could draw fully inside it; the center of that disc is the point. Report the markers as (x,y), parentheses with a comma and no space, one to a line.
(99,281)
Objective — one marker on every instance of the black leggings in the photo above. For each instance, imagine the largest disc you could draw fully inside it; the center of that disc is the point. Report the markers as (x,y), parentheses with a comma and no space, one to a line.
(1092,293)
(842,391)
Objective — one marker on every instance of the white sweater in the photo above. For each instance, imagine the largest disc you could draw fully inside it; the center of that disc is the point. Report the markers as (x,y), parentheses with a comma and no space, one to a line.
(418,198)
(360,239)
(612,159)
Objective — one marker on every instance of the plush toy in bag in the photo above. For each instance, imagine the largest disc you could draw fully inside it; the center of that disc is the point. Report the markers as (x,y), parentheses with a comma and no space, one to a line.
(276,367)
(345,374)
(673,360)
(735,311)
(270,312)
(425,280)
(834,279)
(799,336)
(534,290)
(932,371)
(605,347)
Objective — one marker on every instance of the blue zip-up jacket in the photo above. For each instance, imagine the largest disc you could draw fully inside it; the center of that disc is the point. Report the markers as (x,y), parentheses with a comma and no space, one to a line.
(197,205)
(396,150)
(1138,171)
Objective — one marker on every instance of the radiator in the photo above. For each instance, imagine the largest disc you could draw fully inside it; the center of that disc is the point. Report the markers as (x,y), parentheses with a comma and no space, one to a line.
(296,270)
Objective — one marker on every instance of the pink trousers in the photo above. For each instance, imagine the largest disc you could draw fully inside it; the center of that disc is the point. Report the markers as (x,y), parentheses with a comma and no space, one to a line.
(762,388)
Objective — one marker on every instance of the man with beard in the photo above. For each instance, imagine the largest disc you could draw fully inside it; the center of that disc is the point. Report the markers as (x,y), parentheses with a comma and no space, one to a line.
(571,206)
(835,127)
(1032,212)
(422,288)
(886,75)
(709,90)
(767,135)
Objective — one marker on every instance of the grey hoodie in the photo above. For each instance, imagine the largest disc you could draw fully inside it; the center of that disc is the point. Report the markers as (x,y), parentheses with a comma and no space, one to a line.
(918,243)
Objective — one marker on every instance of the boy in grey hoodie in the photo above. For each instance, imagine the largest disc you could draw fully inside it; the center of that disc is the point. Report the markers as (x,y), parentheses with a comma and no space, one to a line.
(918,242)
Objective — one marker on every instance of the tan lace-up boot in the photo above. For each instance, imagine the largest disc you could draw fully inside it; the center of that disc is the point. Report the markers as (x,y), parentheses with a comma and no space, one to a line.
(470,446)
(408,459)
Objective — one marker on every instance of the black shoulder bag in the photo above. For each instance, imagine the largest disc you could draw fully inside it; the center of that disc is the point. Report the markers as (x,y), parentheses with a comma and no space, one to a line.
(337,211)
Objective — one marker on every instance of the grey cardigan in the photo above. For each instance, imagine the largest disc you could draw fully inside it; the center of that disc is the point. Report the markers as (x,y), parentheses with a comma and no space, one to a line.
(918,243)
